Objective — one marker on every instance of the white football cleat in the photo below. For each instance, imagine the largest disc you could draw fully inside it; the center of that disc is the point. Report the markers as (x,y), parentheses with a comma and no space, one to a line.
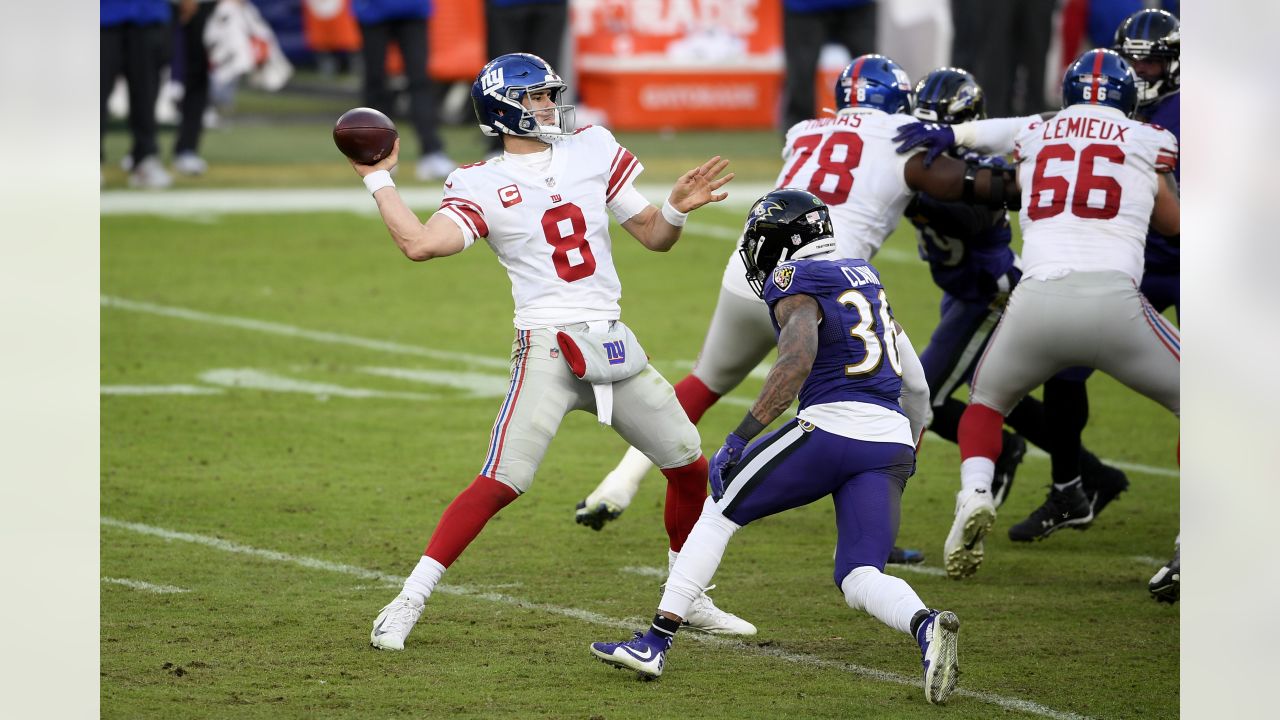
(150,175)
(614,494)
(394,623)
(435,166)
(975,515)
(705,616)
(189,163)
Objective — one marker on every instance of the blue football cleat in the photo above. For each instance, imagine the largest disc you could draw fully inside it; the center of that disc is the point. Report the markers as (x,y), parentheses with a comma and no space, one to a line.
(646,653)
(939,652)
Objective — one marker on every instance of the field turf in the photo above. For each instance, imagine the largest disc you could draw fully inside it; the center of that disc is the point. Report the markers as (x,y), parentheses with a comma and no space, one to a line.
(288,405)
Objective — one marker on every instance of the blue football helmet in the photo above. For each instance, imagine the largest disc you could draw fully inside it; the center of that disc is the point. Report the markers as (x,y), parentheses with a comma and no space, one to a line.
(500,88)
(1101,77)
(874,81)
(949,95)
(1155,35)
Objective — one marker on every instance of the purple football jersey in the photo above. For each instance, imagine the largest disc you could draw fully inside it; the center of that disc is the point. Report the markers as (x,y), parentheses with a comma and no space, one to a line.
(857,354)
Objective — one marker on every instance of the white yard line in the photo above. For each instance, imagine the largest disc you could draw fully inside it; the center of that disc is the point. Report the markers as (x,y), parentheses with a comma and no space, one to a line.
(108,301)
(157,390)
(144,586)
(1003,701)
(186,204)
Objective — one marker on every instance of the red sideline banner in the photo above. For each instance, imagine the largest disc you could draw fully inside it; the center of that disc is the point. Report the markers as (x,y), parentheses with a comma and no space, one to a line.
(456,34)
(658,64)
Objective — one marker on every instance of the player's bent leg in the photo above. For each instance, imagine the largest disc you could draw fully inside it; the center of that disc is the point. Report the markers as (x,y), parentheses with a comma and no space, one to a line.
(975,514)
(541,391)
(685,592)
(739,337)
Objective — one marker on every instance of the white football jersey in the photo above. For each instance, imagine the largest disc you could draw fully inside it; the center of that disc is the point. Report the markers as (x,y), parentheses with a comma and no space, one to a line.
(852,163)
(550,230)
(1089,177)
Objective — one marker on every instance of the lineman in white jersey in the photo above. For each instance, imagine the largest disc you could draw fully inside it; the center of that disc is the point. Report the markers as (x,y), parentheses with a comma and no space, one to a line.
(850,162)
(544,208)
(1092,179)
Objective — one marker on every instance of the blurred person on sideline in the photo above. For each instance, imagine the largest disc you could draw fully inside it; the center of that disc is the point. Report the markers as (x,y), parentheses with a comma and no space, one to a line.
(807,25)
(403,22)
(190,20)
(536,27)
(1005,42)
(135,42)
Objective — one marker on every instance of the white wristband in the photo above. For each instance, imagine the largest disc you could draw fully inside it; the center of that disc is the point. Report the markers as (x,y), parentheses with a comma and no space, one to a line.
(672,215)
(377,180)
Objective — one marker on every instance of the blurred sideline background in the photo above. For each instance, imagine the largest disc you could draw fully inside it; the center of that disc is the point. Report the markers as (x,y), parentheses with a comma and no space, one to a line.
(660,74)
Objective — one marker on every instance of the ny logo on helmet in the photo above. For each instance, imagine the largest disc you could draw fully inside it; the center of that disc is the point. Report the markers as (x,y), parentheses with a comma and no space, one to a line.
(491,80)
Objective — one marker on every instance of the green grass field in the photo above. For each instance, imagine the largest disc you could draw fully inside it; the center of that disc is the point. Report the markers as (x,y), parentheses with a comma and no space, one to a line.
(288,405)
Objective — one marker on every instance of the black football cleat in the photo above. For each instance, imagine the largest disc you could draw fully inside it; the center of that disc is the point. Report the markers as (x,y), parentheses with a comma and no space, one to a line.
(1063,508)
(1164,584)
(1102,483)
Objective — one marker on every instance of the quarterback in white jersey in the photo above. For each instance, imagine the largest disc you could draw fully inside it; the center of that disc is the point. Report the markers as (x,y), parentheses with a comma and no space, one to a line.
(851,163)
(1091,180)
(543,207)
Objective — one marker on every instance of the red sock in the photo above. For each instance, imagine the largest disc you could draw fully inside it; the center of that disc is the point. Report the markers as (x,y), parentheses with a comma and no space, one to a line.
(979,433)
(465,517)
(686,491)
(695,397)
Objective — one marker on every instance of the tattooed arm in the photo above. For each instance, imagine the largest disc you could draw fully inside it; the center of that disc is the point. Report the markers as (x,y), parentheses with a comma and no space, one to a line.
(798,317)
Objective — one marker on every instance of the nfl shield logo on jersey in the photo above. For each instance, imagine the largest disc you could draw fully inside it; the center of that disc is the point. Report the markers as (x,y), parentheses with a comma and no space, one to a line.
(782,276)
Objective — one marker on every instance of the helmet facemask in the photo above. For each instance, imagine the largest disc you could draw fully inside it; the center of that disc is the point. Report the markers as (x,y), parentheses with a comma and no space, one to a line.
(549,124)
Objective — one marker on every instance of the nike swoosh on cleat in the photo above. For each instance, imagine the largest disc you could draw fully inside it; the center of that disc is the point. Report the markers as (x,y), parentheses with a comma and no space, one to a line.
(646,657)
(377,631)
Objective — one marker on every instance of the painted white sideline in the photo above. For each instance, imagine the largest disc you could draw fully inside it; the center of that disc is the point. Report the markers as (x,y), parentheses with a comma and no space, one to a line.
(1010,703)
(144,586)
(473,360)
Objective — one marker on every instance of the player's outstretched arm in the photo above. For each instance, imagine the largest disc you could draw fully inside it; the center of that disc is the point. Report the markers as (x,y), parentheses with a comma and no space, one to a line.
(797,317)
(949,179)
(659,230)
(439,237)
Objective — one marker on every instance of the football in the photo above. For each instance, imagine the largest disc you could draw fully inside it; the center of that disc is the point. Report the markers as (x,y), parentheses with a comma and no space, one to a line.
(364,135)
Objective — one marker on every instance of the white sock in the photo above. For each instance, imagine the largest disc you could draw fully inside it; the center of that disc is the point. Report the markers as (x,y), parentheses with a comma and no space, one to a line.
(693,568)
(976,473)
(623,482)
(887,598)
(422,580)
